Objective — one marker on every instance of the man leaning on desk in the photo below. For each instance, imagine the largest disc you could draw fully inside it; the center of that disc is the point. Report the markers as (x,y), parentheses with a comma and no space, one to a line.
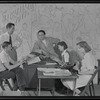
(44,46)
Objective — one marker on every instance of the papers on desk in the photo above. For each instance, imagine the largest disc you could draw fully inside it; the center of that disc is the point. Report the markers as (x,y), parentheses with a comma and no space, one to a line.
(50,63)
(34,60)
(54,72)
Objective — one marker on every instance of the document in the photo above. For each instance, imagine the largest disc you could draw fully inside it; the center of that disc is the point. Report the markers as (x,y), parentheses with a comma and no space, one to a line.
(50,73)
(54,72)
(50,63)
(34,60)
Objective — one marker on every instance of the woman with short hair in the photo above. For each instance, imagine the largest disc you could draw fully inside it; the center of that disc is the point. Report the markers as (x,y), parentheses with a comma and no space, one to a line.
(87,68)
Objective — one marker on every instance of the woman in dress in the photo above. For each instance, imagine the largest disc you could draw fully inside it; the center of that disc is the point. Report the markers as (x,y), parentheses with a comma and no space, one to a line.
(87,67)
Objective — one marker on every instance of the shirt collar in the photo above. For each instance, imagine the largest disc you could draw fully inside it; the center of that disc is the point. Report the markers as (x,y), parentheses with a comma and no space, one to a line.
(7,33)
(64,52)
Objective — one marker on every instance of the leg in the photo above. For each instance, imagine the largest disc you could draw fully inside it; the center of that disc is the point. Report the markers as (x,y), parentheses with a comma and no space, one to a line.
(9,84)
(39,87)
(20,78)
(74,87)
(90,90)
(93,88)
(6,75)
(53,89)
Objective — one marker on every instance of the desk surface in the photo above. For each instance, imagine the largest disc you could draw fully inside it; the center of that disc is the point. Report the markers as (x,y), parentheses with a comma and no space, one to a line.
(41,75)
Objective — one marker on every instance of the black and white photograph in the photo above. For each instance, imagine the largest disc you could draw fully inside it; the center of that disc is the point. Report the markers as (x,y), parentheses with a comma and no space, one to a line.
(49,50)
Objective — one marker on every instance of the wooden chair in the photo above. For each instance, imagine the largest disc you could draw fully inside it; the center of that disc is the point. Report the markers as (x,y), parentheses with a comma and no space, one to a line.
(6,82)
(90,86)
(98,71)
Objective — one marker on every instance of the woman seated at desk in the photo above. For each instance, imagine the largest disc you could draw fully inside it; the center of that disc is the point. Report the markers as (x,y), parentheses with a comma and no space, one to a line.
(70,59)
(87,68)
(62,46)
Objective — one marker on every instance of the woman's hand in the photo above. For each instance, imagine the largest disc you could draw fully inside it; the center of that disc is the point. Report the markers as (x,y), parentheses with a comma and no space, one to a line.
(87,72)
(76,67)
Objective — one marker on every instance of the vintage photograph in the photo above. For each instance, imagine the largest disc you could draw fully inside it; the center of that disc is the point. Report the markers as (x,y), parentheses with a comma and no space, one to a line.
(49,49)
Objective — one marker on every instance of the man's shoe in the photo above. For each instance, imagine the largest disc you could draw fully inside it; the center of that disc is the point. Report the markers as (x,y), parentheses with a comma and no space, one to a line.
(15,88)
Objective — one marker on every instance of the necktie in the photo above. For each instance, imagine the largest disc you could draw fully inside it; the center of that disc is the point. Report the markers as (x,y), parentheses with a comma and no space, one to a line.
(10,40)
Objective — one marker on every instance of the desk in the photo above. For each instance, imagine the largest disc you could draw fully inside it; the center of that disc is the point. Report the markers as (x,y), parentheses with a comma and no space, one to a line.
(31,76)
(42,76)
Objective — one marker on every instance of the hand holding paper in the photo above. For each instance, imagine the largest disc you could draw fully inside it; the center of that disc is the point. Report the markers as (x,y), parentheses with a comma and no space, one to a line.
(34,60)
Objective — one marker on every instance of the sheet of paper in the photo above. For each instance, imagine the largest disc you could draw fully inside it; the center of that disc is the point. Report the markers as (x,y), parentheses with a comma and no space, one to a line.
(49,73)
(48,69)
(54,71)
(51,63)
(34,60)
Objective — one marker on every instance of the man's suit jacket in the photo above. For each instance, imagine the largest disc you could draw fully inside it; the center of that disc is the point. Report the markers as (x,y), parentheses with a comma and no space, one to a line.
(48,50)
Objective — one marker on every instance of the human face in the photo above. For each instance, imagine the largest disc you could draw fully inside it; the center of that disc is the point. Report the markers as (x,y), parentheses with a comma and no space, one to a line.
(80,50)
(8,48)
(41,36)
(61,48)
(11,30)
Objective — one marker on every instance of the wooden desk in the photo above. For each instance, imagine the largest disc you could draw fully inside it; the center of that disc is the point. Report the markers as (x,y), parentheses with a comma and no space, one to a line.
(32,78)
(42,76)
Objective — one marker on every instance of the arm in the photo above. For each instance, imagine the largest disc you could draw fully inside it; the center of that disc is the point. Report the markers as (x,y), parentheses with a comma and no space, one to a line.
(76,67)
(87,72)
(88,66)
(7,65)
(5,60)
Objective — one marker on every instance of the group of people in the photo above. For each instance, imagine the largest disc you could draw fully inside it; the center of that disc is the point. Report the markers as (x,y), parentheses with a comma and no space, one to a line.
(47,48)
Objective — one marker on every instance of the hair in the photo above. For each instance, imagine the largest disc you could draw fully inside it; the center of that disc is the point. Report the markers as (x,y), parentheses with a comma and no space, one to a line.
(9,25)
(41,31)
(62,43)
(5,44)
(84,45)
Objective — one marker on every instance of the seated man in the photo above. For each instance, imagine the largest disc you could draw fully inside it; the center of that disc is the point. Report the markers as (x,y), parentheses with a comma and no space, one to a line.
(5,74)
(13,66)
(45,45)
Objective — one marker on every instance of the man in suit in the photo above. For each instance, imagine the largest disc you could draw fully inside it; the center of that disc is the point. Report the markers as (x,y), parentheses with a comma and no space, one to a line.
(45,45)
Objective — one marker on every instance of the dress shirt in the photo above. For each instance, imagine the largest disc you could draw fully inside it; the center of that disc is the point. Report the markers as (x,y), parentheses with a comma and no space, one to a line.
(65,56)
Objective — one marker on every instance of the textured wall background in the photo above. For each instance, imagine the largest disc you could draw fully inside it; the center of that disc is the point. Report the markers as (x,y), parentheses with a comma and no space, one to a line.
(69,21)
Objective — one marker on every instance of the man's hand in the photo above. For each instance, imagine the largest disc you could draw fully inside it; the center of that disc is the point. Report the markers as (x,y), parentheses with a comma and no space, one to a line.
(42,56)
(21,66)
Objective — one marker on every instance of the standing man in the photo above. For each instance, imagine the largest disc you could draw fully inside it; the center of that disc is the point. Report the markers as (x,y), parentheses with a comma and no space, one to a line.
(12,38)
(45,45)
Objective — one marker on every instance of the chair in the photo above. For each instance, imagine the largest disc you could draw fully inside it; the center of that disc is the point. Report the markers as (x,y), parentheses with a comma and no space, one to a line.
(98,71)
(6,82)
(90,86)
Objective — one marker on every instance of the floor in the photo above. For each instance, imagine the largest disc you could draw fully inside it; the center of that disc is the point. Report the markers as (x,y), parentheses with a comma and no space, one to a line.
(7,92)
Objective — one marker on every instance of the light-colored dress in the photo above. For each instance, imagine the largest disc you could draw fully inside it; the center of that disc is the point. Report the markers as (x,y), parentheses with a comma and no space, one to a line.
(88,62)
